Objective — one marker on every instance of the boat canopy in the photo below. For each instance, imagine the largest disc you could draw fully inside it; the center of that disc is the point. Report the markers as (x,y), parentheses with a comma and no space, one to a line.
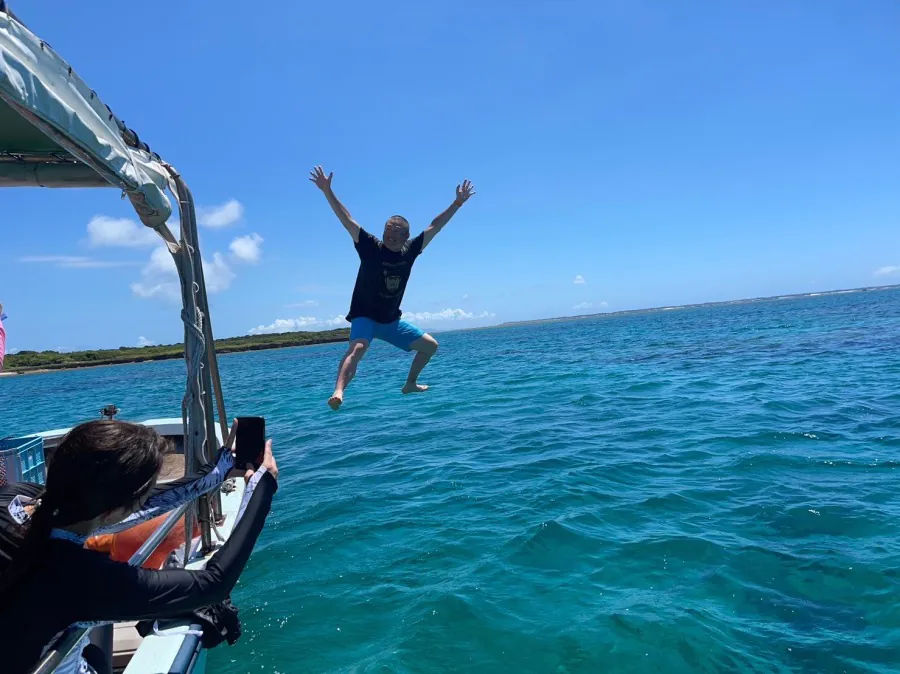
(55,131)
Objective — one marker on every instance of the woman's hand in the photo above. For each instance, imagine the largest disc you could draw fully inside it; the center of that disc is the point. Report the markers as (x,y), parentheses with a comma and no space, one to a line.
(266,460)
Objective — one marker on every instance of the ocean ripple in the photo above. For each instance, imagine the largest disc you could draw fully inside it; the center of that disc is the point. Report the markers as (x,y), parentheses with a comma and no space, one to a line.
(702,490)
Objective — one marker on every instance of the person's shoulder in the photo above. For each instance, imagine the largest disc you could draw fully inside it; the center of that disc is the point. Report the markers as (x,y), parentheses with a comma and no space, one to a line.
(61,563)
(91,565)
(368,239)
(415,245)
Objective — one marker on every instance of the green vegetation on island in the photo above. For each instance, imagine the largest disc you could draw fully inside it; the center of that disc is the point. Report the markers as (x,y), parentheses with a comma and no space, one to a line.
(25,361)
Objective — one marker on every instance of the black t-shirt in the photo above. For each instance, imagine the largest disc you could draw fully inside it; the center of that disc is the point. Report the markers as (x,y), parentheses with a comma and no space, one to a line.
(381,280)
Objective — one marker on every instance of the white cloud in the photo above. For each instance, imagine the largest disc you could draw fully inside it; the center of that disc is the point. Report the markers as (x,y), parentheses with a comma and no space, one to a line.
(161,262)
(74,262)
(221,216)
(52,259)
(218,274)
(285,325)
(579,280)
(465,297)
(889,270)
(247,248)
(99,264)
(299,324)
(119,232)
(148,290)
(303,304)
(589,305)
(159,278)
(143,341)
(445,315)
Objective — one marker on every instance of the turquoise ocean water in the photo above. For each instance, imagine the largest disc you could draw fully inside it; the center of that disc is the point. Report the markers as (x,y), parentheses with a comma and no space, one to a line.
(703,490)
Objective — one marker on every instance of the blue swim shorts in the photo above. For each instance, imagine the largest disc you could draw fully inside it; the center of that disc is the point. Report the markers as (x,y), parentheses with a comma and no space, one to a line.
(399,333)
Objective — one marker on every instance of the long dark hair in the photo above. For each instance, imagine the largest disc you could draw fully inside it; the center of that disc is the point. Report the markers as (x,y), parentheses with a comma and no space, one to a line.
(99,466)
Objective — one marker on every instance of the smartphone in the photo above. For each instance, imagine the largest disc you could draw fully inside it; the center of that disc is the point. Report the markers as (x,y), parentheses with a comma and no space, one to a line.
(250,441)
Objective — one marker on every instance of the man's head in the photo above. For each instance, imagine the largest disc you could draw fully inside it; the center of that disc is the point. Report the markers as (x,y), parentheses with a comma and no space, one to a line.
(396,233)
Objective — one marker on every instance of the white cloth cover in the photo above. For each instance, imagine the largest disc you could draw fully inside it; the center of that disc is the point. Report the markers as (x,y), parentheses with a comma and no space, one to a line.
(43,88)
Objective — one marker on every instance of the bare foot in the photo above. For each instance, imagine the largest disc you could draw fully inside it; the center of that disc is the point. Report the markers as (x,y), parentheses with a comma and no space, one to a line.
(335,401)
(414,388)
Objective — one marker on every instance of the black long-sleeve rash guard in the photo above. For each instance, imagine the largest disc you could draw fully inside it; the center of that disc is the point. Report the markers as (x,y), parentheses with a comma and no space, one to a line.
(14,499)
(72,585)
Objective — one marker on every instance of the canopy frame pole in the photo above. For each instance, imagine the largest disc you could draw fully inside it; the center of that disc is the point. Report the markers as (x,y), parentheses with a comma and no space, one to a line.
(202,364)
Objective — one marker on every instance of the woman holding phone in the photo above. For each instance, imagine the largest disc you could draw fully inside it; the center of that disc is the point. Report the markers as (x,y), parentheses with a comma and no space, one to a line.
(101,473)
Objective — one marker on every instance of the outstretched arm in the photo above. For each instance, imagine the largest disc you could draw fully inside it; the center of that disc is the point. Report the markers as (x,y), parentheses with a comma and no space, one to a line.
(135,593)
(169,496)
(463,192)
(317,176)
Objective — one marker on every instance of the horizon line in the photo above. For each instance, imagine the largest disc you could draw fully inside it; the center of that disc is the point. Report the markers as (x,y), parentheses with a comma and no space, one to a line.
(532,321)
(695,305)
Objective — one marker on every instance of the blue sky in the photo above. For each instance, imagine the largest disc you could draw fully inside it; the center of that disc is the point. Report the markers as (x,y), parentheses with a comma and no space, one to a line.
(660,152)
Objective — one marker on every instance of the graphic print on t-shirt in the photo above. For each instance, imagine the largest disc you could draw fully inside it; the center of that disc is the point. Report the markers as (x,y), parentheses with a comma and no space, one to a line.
(392,283)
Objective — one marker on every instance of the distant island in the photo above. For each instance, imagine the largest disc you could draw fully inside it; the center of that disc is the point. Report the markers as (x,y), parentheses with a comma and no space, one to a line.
(42,361)
(627,312)
(36,361)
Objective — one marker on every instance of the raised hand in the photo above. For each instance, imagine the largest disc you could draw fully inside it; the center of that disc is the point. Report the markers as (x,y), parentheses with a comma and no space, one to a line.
(319,179)
(266,460)
(464,191)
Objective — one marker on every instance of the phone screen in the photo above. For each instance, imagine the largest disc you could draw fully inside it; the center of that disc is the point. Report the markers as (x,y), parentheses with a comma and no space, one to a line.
(250,441)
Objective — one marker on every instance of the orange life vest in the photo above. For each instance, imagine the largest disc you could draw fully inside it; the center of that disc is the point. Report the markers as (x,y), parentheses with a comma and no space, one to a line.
(123,545)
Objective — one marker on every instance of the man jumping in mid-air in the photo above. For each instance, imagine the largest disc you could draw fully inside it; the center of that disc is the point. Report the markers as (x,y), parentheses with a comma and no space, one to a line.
(384,268)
